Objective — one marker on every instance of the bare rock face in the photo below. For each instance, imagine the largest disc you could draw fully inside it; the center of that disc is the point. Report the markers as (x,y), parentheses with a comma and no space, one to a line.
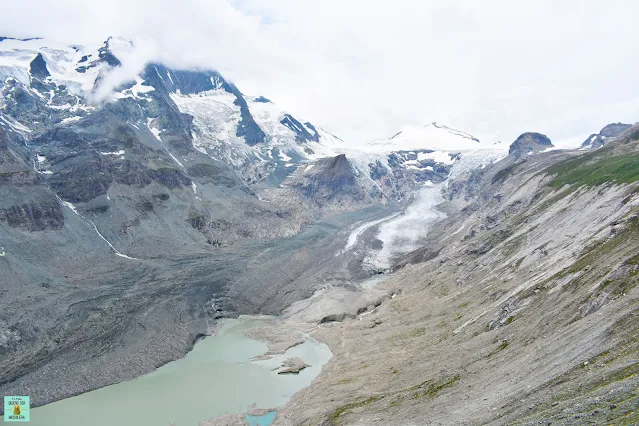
(330,180)
(612,130)
(529,143)
(36,210)
(38,67)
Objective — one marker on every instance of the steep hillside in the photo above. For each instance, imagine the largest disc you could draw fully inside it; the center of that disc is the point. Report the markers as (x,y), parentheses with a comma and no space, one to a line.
(522,308)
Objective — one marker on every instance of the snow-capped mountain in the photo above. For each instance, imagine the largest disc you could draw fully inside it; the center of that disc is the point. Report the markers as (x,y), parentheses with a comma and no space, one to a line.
(74,80)
(431,136)
(185,111)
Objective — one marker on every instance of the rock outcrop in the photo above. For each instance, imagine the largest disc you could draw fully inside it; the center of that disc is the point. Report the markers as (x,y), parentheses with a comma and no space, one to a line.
(597,140)
(292,366)
(528,144)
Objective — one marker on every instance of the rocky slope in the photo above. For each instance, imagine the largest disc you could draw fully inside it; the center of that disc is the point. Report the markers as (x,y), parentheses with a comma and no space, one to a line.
(521,309)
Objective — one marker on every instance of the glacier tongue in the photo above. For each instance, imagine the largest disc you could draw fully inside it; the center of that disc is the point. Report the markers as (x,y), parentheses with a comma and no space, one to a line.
(405,233)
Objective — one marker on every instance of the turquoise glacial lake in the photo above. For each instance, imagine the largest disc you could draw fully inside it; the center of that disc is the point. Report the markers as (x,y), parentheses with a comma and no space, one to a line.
(214,379)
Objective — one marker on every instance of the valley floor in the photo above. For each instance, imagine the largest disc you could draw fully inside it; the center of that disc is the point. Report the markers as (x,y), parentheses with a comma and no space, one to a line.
(144,314)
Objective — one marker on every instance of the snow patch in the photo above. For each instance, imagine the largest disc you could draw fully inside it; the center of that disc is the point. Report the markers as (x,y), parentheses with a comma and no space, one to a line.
(436,156)
(69,206)
(152,128)
(175,159)
(284,157)
(135,91)
(69,120)
(14,125)
(116,153)
(117,253)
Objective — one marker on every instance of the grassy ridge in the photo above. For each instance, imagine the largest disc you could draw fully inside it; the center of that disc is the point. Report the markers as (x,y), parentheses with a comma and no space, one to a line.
(588,170)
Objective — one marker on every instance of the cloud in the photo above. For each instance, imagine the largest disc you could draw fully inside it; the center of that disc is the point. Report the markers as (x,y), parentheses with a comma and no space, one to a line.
(365,68)
(133,55)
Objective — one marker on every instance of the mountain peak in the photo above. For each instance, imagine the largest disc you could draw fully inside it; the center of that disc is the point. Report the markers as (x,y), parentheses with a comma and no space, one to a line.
(597,140)
(431,136)
(530,143)
(38,67)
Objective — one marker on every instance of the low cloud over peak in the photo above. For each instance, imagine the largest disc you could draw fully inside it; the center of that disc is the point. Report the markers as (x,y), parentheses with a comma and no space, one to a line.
(366,69)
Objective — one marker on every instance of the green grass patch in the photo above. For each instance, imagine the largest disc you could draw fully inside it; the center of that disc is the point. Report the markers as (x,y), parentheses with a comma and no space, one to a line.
(502,345)
(512,246)
(432,389)
(361,403)
(588,170)
(346,380)
(426,389)
(595,253)
(633,260)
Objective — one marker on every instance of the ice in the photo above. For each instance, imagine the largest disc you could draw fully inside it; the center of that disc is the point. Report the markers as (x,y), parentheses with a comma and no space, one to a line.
(404,233)
(62,61)
(477,159)
(14,125)
(436,156)
(215,119)
(357,232)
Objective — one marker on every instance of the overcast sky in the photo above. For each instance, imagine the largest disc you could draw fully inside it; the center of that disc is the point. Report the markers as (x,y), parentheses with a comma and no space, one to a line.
(364,69)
